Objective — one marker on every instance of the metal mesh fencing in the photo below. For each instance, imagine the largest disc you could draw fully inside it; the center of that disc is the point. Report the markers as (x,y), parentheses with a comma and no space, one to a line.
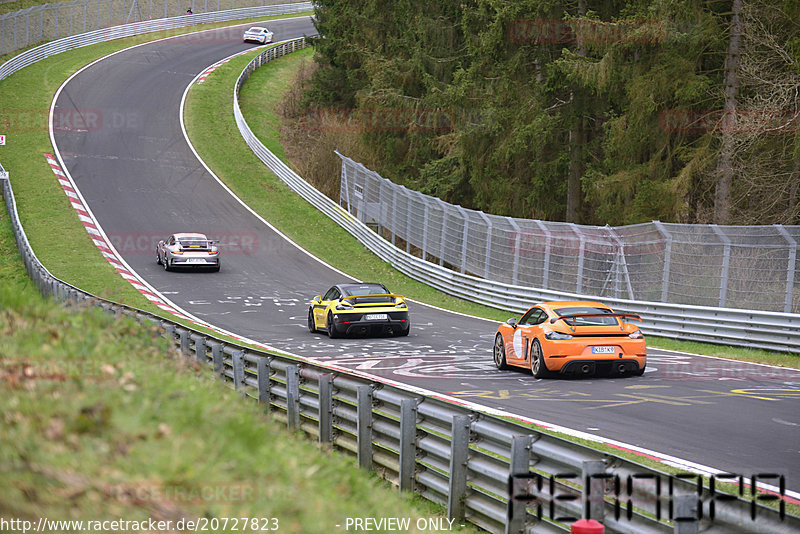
(744,267)
(52,21)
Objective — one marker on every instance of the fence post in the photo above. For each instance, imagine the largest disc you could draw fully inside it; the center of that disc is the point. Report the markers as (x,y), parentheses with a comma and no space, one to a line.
(444,230)
(787,306)
(726,262)
(686,514)
(326,408)
(217,356)
(169,329)
(515,250)
(488,251)
(581,254)
(408,196)
(364,426)
(264,371)
(464,236)
(594,475)
(519,468)
(200,349)
(425,220)
(667,256)
(459,454)
(408,443)
(293,397)
(238,369)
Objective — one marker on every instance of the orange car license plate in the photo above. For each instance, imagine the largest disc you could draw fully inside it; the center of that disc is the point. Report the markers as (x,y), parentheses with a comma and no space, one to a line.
(603,350)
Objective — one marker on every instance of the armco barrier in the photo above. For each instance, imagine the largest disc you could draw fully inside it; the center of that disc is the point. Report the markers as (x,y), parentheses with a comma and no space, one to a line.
(496,474)
(52,21)
(499,475)
(128,30)
(750,328)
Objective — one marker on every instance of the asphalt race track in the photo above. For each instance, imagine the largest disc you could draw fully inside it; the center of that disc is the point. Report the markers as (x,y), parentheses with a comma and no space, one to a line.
(143,182)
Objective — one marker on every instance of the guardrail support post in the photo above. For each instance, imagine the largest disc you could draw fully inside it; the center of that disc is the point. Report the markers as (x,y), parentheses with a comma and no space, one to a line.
(459,454)
(408,443)
(519,469)
(216,356)
(686,514)
(263,369)
(185,341)
(293,397)
(200,349)
(594,475)
(364,426)
(238,369)
(169,329)
(326,408)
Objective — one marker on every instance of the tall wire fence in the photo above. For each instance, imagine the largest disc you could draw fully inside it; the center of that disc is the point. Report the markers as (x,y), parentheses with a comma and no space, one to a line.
(48,22)
(741,267)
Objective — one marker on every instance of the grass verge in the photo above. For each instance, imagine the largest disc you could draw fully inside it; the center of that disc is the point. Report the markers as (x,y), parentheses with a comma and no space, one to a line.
(103,420)
(229,157)
(53,228)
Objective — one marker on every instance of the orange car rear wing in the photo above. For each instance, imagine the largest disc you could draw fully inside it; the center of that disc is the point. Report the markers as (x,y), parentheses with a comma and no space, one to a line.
(574,316)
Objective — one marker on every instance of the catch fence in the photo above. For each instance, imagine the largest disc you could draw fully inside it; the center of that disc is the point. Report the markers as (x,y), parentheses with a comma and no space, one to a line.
(742,267)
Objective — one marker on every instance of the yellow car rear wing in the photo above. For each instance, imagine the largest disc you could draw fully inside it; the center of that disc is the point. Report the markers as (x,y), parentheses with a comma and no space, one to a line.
(379,295)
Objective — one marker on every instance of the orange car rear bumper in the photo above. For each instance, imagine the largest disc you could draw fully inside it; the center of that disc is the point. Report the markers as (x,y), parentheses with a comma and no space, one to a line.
(611,353)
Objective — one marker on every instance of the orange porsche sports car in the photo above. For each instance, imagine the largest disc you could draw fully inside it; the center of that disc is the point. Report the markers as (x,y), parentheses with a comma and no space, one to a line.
(571,337)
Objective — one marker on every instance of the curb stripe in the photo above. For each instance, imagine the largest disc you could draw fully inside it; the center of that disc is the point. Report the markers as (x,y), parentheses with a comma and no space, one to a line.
(100,241)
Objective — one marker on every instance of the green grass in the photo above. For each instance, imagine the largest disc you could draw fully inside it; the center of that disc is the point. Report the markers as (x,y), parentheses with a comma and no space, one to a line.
(67,252)
(102,419)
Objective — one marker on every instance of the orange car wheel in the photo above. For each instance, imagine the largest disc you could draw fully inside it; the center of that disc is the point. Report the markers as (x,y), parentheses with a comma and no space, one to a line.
(538,368)
(499,352)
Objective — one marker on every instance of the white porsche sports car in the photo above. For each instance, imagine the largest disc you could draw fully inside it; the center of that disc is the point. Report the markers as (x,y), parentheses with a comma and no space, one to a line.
(187,250)
(257,34)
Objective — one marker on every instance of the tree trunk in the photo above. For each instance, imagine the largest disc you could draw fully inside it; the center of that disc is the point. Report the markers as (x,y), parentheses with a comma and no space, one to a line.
(724,170)
(576,167)
(794,190)
(576,140)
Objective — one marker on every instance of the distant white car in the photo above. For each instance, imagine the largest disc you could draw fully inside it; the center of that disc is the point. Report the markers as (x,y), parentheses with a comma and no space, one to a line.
(257,34)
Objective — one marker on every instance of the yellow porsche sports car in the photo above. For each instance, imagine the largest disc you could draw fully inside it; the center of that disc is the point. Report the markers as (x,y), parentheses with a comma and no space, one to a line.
(358,309)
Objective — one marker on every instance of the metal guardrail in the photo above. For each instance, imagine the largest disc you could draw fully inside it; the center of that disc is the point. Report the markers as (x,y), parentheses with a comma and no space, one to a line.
(494,473)
(499,475)
(51,21)
(128,30)
(751,328)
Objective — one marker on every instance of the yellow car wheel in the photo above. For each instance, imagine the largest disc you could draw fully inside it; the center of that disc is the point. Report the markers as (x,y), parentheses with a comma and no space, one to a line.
(332,333)
(312,326)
